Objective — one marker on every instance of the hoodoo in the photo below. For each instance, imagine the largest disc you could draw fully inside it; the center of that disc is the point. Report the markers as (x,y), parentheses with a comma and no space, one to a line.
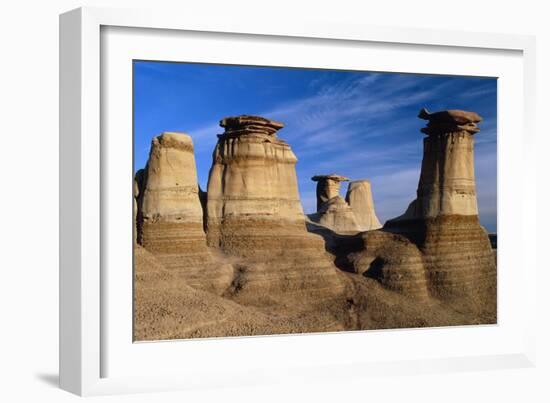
(359,198)
(328,187)
(352,215)
(443,220)
(254,212)
(447,180)
(170,215)
(238,259)
(252,197)
(171,211)
(332,210)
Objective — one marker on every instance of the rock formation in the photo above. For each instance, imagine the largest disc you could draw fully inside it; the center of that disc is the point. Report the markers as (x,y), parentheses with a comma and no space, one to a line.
(170,213)
(170,185)
(447,181)
(332,210)
(328,187)
(443,220)
(359,198)
(254,212)
(238,259)
(252,195)
(394,261)
(167,307)
(337,215)
(352,215)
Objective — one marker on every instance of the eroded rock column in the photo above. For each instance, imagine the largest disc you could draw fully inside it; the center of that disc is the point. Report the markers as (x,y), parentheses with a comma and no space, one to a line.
(252,187)
(254,213)
(447,179)
(443,220)
(170,215)
(332,210)
(359,198)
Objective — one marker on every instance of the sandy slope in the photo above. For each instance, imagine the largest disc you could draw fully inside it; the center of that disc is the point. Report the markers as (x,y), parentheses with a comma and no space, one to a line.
(168,308)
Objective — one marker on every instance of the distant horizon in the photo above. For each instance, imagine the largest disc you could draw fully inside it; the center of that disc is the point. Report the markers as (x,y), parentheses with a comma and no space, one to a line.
(362,125)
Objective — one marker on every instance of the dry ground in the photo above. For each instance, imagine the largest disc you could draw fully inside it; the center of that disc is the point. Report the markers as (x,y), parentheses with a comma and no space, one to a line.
(168,308)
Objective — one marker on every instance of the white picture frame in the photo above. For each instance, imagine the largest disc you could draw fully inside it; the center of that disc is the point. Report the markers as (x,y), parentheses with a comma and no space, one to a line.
(83,163)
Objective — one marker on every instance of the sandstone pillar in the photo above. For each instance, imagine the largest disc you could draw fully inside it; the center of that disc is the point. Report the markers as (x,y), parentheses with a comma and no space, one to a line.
(443,220)
(328,186)
(332,210)
(447,180)
(359,198)
(170,205)
(170,215)
(252,185)
(254,212)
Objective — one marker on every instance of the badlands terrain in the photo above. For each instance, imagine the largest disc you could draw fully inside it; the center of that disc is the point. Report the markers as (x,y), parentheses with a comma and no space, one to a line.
(241,258)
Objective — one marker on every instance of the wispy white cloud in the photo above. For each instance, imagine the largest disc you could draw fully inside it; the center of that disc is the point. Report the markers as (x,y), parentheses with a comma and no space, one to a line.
(478,92)
(343,109)
(356,127)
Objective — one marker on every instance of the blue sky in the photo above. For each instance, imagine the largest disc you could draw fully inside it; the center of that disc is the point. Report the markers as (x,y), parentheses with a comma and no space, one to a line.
(362,125)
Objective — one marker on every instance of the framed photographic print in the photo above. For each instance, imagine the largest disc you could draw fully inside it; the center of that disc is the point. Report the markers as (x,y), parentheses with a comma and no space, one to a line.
(205,240)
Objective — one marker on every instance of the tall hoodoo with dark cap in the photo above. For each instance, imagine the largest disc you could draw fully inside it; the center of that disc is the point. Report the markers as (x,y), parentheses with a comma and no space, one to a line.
(252,184)
(443,220)
(254,212)
(447,178)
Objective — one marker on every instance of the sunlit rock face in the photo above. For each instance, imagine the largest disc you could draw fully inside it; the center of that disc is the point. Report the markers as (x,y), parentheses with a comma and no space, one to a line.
(263,273)
(443,221)
(359,198)
(338,216)
(170,190)
(254,213)
(447,179)
(252,196)
(170,215)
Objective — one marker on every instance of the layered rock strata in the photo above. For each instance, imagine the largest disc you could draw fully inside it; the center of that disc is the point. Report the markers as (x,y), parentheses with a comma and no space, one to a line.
(254,212)
(252,194)
(359,198)
(394,261)
(170,213)
(266,274)
(443,220)
(167,307)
